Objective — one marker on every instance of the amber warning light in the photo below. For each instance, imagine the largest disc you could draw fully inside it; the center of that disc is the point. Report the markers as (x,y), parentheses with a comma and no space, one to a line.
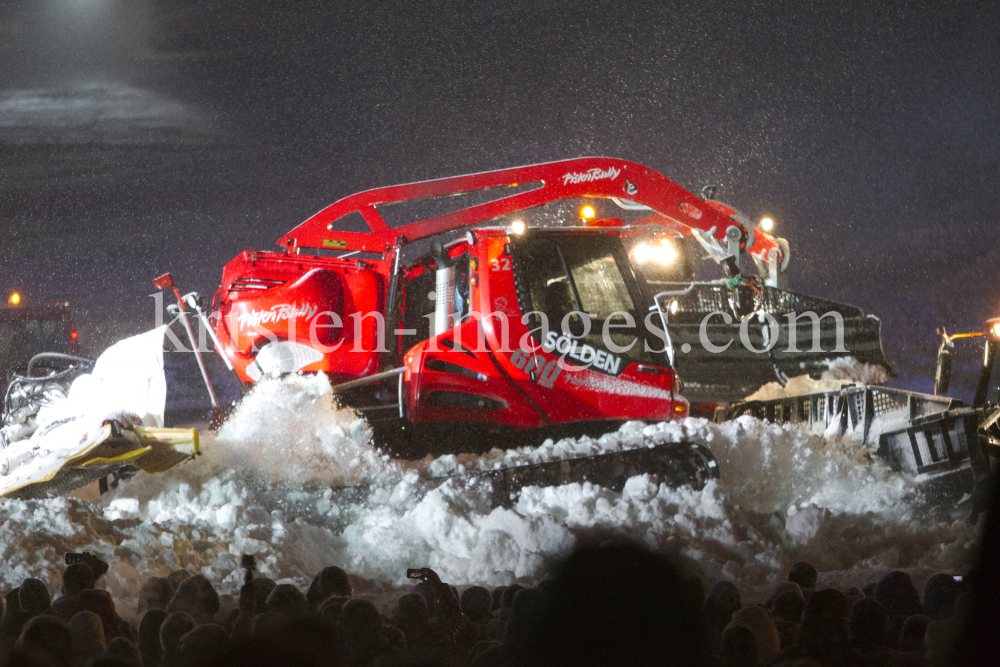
(14,298)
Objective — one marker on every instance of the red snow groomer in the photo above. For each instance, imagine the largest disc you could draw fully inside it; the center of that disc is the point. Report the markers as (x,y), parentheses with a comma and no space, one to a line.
(504,302)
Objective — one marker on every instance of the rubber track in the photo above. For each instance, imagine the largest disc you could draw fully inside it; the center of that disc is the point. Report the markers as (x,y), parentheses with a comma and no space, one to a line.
(677,464)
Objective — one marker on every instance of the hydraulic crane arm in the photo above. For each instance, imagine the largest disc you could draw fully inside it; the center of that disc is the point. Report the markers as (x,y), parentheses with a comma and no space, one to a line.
(529,187)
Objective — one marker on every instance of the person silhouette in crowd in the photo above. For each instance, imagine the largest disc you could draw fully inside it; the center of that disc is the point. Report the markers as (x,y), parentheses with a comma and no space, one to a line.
(615,604)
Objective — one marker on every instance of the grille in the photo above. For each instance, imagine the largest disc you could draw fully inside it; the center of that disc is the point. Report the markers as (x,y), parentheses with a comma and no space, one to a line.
(885,402)
(248,284)
(706,298)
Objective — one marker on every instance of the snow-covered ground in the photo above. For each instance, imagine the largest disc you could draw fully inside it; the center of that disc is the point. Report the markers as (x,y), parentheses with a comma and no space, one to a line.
(262,487)
(85,112)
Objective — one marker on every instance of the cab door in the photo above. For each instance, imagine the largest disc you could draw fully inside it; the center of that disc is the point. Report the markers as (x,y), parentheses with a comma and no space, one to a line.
(589,352)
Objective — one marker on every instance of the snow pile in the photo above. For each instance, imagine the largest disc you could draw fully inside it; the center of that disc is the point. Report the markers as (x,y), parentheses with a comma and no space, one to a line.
(263,487)
(295,431)
(839,372)
(796,386)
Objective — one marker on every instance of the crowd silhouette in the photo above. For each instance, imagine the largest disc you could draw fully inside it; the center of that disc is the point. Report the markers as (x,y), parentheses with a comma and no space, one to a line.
(609,604)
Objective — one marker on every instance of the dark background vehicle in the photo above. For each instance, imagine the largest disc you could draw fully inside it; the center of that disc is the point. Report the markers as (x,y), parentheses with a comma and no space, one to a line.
(26,330)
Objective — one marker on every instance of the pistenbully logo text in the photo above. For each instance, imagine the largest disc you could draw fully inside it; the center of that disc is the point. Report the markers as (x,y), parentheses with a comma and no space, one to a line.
(595,174)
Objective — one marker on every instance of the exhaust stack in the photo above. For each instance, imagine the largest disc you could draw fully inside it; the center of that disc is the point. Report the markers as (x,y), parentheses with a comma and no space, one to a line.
(444,290)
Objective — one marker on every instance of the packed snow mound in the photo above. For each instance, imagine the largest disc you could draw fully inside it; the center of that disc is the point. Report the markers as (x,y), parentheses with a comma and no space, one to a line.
(796,386)
(263,488)
(841,371)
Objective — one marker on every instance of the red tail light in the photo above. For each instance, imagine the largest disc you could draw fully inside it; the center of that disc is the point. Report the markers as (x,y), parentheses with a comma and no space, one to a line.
(74,335)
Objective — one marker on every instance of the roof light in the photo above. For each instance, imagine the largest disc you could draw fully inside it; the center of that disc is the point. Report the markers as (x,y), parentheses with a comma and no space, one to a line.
(766,224)
(517,227)
(587,213)
(14,298)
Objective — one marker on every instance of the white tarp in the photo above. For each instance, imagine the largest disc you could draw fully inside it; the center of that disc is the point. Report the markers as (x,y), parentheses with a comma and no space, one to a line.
(127,377)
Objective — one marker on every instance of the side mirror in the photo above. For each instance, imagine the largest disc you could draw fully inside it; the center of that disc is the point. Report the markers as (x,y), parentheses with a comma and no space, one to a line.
(942,374)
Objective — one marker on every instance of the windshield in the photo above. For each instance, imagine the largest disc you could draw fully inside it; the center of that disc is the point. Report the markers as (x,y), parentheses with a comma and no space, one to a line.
(581,289)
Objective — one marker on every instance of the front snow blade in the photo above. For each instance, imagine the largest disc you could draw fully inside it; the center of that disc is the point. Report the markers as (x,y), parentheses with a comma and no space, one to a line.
(933,439)
(711,374)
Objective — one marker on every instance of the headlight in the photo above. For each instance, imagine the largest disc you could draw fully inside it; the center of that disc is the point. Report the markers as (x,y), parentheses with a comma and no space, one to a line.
(662,253)
(665,254)
(640,253)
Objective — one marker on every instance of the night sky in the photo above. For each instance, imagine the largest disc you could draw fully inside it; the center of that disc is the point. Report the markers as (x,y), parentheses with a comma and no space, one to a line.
(139,137)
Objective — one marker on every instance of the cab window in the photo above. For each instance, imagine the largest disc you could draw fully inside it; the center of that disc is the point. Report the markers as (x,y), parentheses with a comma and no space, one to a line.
(579,284)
